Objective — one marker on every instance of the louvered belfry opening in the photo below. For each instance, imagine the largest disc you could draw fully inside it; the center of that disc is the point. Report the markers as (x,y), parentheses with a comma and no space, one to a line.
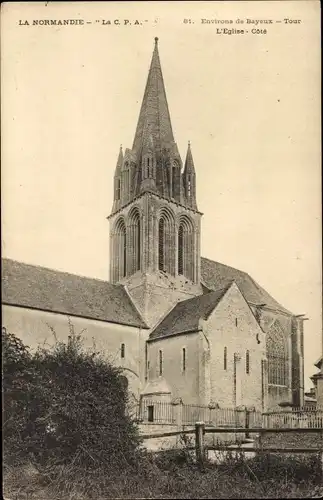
(186,248)
(119,249)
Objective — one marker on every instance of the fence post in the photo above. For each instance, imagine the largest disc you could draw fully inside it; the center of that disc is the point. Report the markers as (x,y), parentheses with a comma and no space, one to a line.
(199,442)
(247,422)
(177,405)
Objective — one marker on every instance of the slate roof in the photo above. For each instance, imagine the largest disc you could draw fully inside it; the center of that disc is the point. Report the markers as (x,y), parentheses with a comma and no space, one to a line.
(37,287)
(216,276)
(185,316)
(154,118)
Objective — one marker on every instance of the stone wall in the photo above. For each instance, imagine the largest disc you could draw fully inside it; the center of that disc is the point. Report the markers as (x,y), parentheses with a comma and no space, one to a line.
(39,328)
(233,326)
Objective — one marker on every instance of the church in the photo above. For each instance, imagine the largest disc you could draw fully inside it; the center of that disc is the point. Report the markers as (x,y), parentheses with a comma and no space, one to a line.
(180,325)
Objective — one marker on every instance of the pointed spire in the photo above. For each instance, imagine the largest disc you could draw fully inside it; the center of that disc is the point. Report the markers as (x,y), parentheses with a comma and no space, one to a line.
(189,163)
(119,161)
(154,117)
(189,179)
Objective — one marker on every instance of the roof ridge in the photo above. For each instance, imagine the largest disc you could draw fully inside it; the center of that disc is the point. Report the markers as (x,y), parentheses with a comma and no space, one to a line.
(226,265)
(218,290)
(246,277)
(222,292)
(36,266)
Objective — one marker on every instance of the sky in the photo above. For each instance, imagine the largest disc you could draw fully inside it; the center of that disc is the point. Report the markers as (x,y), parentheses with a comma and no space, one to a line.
(249,104)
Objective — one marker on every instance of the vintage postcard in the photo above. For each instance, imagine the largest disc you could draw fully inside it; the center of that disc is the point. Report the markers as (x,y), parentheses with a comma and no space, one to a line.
(161,246)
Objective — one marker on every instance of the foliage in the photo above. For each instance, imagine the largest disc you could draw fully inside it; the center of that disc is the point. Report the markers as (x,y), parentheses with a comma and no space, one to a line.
(67,436)
(161,476)
(65,405)
(17,385)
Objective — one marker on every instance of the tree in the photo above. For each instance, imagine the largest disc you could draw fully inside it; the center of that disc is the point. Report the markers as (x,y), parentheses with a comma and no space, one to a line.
(73,406)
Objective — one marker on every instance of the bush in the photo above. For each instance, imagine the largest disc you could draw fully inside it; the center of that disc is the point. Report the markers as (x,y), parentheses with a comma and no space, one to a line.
(17,383)
(65,406)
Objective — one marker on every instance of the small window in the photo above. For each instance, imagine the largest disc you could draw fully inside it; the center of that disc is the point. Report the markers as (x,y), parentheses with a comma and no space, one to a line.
(123,350)
(247,362)
(236,321)
(160,363)
(118,189)
(173,181)
(225,358)
(183,359)
(189,187)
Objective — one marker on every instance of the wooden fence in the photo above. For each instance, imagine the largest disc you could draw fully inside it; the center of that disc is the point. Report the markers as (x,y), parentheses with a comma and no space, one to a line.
(201,448)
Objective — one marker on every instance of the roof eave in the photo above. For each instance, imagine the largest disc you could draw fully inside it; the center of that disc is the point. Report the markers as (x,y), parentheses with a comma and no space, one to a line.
(63,313)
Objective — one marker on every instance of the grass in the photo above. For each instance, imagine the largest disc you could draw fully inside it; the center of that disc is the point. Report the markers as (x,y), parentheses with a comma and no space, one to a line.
(171,474)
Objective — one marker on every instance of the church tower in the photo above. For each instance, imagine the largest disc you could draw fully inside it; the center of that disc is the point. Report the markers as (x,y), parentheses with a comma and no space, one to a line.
(155,223)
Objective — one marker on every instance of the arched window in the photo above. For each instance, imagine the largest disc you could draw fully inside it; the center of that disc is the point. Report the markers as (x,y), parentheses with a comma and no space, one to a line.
(118,190)
(126,181)
(276,355)
(189,187)
(138,246)
(135,240)
(120,249)
(247,362)
(225,358)
(166,241)
(186,248)
(161,245)
(180,249)
(173,182)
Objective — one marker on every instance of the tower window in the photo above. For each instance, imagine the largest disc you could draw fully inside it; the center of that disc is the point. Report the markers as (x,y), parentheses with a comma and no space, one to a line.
(189,187)
(161,245)
(173,181)
(138,249)
(186,248)
(225,358)
(120,249)
(118,193)
(124,254)
(180,249)
(247,362)
(160,363)
(123,351)
(184,359)
(236,321)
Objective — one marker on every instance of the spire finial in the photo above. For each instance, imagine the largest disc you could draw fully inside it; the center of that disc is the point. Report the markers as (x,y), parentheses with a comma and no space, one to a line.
(189,143)
(156,40)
